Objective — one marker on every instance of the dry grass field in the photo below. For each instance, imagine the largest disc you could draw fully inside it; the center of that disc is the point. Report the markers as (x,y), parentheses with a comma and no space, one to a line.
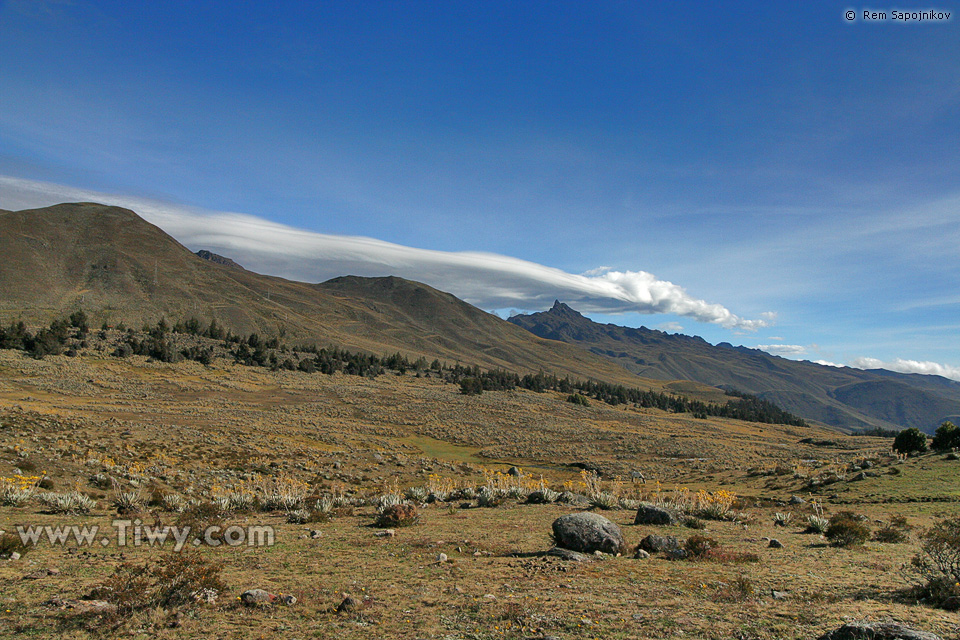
(149,438)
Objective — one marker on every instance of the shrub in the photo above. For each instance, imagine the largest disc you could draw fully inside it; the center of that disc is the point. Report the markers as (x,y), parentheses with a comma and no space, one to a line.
(175,580)
(894,532)
(817,524)
(693,522)
(699,546)
(938,561)
(71,502)
(847,529)
(781,519)
(471,386)
(11,543)
(126,502)
(578,399)
(399,515)
(909,441)
(946,437)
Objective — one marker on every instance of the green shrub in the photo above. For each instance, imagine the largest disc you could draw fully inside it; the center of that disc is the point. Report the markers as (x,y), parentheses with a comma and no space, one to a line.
(894,532)
(910,440)
(471,386)
(847,529)
(946,437)
(578,399)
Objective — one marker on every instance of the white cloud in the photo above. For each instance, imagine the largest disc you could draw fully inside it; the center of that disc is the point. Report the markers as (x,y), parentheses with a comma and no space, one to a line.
(483,279)
(676,327)
(827,363)
(782,349)
(909,366)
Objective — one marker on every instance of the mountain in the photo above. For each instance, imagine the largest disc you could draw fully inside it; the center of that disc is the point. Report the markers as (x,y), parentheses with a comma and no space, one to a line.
(118,267)
(839,396)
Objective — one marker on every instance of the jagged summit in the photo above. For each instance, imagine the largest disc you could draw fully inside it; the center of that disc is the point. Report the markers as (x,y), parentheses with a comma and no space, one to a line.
(843,397)
(218,259)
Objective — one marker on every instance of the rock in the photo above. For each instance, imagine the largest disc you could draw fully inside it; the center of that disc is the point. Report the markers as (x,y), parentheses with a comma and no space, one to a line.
(775,544)
(83,607)
(538,497)
(574,499)
(386,533)
(677,554)
(652,514)
(514,471)
(349,605)
(877,631)
(951,604)
(657,544)
(316,533)
(567,554)
(288,600)
(796,500)
(641,554)
(15,556)
(441,557)
(587,532)
(779,595)
(257,597)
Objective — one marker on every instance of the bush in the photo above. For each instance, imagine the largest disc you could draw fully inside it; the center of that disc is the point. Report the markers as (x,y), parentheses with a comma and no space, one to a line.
(175,580)
(471,386)
(847,529)
(578,399)
(699,546)
(946,437)
(11,543)
(909,441)
(938,561)
(894,532)
(398,515)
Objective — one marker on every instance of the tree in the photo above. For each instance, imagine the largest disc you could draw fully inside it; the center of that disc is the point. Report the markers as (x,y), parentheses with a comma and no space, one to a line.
(910,440)
(471,386)
(946,437)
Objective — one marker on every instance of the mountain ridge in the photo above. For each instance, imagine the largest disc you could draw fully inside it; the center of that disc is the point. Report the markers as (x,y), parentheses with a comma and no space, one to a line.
(839,396)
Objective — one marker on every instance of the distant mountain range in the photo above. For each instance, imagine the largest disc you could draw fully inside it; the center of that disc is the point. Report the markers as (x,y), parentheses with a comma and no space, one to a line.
(840,396)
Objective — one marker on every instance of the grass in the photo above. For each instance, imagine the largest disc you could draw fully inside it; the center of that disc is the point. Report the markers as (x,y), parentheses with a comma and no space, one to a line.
(189,431)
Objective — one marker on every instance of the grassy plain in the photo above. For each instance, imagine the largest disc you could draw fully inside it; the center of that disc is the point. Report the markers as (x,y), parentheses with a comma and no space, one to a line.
(192,430)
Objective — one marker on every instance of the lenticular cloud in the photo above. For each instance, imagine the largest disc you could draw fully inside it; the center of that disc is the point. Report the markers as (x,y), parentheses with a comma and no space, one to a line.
(489,281)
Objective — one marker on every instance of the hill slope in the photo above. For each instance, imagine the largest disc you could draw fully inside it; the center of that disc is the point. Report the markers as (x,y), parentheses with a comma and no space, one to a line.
(118,267)
(842,397)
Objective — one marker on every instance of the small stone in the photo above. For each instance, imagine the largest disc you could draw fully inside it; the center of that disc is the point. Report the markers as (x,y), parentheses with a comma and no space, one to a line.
(775,544)
(288,600)
(316,533)
(641,554)
(779,595)
(441,557)
(15,555)
(386,533)
(348,605)
(796,500)
(255,597)
(568,554)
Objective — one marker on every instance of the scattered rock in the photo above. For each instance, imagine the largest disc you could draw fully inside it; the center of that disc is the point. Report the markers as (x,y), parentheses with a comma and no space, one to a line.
(349,605)
(574,499)
(779,595)
(587,532)
(677,554)
(877,631)
(257,597)
(657,544)
(514,471)
(386,533)
(441,557)
(797,500)
(41,573)
(775,544)
(316,533)
(567,554)
(641,554)
(15,556)
(652,514)
(83,607)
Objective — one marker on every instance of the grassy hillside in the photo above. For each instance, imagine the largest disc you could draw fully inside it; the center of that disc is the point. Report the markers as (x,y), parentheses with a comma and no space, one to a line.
(117,267)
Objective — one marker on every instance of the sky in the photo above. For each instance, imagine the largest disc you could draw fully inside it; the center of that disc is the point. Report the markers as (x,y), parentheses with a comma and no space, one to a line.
(766,174)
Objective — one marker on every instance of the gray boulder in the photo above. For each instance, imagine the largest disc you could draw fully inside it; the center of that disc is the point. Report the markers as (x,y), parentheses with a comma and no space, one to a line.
(587,532)
(567,554)
(877,631)
(659,544)
(652,514)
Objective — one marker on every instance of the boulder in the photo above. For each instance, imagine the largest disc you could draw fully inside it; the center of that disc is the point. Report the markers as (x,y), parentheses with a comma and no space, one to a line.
(658,544)
(877,631)
(587,532)
(652,514)
(567,554)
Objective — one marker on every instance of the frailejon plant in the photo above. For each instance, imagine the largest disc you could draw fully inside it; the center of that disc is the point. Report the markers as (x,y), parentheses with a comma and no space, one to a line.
(16,490)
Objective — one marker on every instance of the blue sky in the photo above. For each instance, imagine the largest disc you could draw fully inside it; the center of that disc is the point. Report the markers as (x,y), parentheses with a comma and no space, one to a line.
(797,173)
